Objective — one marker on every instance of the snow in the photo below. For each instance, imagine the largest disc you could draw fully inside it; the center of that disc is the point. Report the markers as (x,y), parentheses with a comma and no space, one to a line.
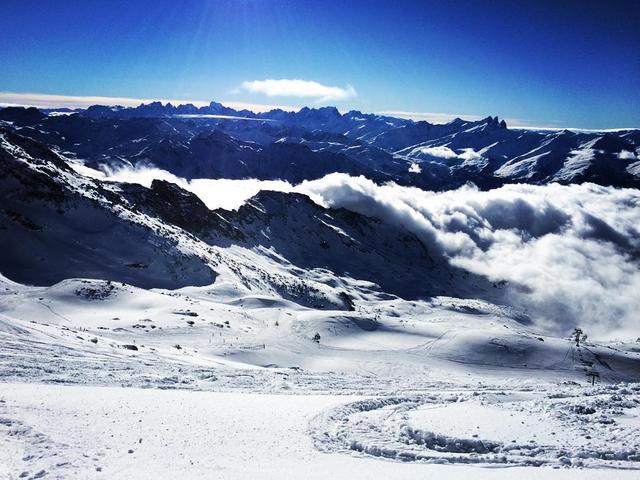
(627,155)
(220,384)
(294,357)
(111,432)
(634,169)
(576,163)
(522,168)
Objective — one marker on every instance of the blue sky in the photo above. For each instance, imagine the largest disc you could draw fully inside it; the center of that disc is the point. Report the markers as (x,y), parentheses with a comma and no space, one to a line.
(567,63)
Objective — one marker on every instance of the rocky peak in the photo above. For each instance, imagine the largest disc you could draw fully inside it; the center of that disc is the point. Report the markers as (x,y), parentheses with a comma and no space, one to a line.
(21,115)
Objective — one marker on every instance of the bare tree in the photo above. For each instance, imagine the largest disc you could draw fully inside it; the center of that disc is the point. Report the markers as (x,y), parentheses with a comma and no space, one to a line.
(578,336)
(593,375)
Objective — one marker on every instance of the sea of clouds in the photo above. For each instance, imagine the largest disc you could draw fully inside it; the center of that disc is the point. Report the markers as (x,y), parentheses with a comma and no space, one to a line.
(571,254)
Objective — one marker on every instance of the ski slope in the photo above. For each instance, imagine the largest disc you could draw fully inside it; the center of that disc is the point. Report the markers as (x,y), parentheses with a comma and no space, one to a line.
(227,386)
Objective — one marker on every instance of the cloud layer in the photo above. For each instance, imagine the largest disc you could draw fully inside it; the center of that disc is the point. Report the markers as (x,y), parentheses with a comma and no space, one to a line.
(432,117)
(42,100)
(571,254)
(215,193)
(299,88)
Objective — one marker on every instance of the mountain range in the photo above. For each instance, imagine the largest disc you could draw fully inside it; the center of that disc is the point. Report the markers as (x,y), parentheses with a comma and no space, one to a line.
(56,223)
(219,142)
(415,306)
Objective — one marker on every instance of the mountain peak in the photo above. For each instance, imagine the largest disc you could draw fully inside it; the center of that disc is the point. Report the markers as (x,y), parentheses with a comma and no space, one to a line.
(22,115)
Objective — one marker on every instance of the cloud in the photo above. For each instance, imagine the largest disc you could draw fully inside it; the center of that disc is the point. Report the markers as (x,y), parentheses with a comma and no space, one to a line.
(627,155)
(570,253)
(445,153)
(42,100)
(440,152)
(469,155)
(215,193)
(298,88)
(431,117)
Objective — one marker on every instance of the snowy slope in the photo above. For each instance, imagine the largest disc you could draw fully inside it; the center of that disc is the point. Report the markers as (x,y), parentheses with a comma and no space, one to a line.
(445,381)
(149,433)
(415,362)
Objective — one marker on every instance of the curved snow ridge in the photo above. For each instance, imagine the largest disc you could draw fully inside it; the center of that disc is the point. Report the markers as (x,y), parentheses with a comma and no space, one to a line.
(572,427)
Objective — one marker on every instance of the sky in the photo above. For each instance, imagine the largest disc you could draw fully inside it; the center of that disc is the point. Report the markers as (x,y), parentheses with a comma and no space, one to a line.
(535,63)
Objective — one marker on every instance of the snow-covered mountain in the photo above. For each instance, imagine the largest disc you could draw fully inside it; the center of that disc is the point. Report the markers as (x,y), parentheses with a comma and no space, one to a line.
(166,237)
(445,316)
(219,142)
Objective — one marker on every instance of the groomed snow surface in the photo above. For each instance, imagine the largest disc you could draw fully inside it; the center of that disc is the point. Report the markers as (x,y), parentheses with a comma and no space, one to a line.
(104,380)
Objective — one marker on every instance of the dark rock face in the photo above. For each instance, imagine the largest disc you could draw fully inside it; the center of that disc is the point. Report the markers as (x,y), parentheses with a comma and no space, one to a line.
(177,206)
(21,115)
(56,224)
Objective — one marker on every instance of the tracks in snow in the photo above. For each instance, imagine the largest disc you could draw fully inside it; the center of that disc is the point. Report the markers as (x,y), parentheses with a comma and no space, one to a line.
(571,426)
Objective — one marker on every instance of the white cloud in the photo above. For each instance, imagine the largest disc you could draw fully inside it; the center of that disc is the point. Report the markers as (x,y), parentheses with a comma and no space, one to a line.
(215,193)
(298,88)
(627,155)
(440,152)
(43,100)
(569,252)
(469,155)
(431,117)
(445,153)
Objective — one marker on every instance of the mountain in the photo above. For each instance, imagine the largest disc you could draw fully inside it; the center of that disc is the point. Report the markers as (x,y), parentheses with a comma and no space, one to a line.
(105,285)
(567,157)
(22,116)
(215,141)
(166,237)
(46,237)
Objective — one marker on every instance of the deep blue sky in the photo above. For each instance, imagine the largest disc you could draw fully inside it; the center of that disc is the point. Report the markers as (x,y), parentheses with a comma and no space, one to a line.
(563,63)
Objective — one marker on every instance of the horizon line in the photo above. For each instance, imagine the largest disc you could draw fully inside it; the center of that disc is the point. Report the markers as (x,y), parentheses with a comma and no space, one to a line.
(52,101)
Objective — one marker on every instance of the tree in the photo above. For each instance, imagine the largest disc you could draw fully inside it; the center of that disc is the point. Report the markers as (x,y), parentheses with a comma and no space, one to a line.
(578,336)
(316,337)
